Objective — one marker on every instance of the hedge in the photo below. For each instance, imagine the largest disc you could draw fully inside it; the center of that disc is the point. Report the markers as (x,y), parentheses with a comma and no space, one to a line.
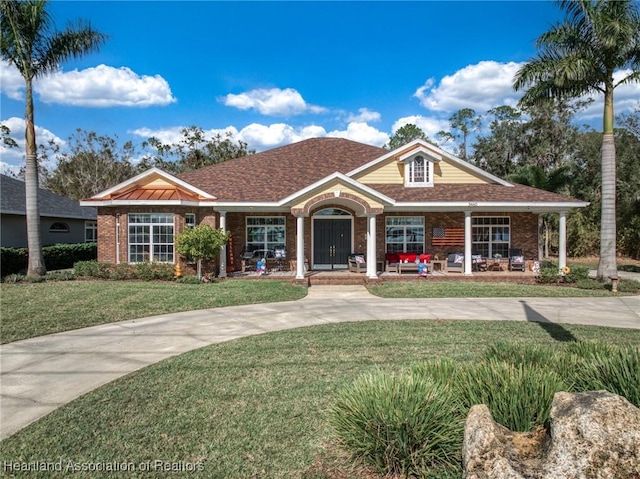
(58,256)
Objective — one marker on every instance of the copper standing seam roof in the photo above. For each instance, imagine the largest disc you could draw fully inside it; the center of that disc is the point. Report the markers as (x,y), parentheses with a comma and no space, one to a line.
(156,194)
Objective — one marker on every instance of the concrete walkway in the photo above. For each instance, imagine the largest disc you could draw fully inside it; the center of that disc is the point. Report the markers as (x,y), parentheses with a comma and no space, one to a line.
(41,374)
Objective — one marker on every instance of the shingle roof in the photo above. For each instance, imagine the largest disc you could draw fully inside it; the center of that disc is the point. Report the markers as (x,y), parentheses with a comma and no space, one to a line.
(275,174)
(272,175)
(471,192)
(12,201)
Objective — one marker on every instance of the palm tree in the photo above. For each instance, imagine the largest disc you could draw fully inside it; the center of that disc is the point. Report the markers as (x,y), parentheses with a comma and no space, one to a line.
(31,44)
(580,56)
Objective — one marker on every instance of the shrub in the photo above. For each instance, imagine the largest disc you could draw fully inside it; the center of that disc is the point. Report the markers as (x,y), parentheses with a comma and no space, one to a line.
(63,256)
(402,424)
(154,271)
(122,271)
(92,269)
(548,274)
(13,278)
(519,396)
(13,260)
(60,276)
(628,286)
(577,273)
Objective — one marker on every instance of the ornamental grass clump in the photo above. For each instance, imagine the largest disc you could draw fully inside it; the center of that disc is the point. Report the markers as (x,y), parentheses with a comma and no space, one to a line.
(519,396)
(610,367)
(403,424)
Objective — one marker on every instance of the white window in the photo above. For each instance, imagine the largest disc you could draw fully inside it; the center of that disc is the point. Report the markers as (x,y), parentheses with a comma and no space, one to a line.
(90,231)
(405,234)
(59,227)
(190,220)
(490,236)
(266,233)
(418,171)
(151,237)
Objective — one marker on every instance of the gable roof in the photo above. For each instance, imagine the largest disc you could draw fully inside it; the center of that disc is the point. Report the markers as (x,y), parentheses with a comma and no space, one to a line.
(275,174)
(419,146)
(13,201)
(152,185)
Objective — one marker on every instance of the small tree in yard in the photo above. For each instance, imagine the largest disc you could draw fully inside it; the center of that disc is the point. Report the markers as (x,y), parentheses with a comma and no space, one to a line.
(200,243)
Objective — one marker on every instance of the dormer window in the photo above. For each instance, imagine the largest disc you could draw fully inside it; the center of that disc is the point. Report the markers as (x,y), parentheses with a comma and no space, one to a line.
(418,171)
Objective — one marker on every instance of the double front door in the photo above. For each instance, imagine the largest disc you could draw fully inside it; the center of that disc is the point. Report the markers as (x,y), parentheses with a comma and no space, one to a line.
(331,242)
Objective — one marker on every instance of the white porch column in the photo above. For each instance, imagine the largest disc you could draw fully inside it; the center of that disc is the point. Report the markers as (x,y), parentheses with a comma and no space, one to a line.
(467,243)
(562,242)
(372,262)
(300,247)
(223,248)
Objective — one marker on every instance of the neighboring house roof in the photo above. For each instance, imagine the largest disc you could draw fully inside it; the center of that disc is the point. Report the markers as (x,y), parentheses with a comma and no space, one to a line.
(12,201)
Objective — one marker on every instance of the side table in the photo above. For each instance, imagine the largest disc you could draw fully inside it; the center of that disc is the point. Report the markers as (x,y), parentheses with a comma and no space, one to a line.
(439,265)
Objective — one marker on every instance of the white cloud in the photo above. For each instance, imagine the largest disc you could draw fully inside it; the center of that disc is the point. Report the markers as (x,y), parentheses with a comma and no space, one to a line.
(11,82)
(271,102)
(362,132)
(364,115)
(14,157)
(104,86)
(482,86)
(263,137)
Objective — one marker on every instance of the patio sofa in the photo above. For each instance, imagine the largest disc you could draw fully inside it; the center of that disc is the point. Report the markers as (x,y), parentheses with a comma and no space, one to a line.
(396,262)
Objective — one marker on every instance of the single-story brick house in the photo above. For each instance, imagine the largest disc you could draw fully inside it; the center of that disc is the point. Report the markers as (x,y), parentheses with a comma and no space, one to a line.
(325,198)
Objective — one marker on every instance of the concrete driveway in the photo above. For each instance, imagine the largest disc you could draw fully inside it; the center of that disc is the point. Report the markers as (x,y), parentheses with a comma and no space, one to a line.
(41,374)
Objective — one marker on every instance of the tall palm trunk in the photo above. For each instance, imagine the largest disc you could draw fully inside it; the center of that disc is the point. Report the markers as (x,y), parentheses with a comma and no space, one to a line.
(607,266)
(34,240)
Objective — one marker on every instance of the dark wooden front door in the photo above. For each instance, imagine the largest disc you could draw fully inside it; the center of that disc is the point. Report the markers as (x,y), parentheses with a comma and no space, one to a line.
(331,242)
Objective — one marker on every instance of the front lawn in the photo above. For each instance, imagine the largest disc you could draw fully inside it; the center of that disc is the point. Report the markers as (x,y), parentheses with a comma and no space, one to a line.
(35,309)
(256,407)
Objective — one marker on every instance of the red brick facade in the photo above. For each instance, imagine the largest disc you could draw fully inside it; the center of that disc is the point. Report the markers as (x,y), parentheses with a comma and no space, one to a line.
(523,229)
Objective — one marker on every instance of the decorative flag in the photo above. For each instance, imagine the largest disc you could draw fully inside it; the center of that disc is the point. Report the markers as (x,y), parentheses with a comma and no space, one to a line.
(447,236)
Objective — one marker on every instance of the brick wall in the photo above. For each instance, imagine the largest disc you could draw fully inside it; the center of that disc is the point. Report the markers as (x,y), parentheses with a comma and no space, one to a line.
(524,230)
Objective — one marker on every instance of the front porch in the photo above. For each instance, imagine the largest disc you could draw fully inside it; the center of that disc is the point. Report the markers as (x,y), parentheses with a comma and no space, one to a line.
(345,277)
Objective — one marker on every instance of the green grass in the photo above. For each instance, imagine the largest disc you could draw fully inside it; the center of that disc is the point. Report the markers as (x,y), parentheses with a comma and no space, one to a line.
(256,406)
(34,309)
(451,289)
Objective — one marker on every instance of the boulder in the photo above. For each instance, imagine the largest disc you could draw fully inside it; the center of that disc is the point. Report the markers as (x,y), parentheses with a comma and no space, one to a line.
(594,435)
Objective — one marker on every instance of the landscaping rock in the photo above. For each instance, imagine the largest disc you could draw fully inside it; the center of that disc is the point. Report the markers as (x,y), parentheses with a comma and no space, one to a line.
(594,435)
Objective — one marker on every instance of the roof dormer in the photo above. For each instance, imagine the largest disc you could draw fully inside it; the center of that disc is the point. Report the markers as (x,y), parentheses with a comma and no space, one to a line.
(418,167)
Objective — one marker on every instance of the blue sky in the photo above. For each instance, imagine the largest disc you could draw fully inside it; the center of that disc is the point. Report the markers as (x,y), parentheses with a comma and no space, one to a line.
(272,73)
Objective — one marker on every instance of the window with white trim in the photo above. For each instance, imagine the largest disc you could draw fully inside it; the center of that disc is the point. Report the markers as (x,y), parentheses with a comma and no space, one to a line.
(266,233)
(90,231)
(490,236)
(418,171)
(190,220)
(404,234)
(151,237)
(59,227)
